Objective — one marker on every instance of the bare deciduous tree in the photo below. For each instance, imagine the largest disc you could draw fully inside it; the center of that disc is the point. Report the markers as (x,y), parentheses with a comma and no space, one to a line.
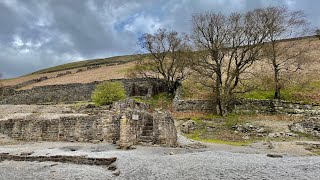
(285,56)
(168,59)
(228,46)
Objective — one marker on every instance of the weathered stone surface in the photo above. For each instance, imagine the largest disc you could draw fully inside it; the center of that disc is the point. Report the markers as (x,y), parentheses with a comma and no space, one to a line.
(249,128)
(275,155)
(64,128)
(127,122)
(308,126)
(138,125)
(188,127)
(60,158)
(165,130)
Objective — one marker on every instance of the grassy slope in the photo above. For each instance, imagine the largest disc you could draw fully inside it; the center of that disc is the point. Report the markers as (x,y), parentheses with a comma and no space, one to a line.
(114,67)
(91,62)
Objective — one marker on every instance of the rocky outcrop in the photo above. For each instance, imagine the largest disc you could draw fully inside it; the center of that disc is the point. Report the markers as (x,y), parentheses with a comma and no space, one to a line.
(188,127)
(308,126)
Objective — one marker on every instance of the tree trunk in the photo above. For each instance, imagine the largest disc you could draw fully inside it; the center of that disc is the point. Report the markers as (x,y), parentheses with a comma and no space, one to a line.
(277,87)
(221,104)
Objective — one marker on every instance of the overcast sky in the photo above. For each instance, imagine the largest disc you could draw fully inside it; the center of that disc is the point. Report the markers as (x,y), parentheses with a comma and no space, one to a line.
(35,34)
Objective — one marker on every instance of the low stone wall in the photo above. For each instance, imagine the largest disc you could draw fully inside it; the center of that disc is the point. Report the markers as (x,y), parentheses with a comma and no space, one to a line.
(32,81)
(76,92)
(194,105)
(80,128)
(180,104)
(275,106)
(249,106)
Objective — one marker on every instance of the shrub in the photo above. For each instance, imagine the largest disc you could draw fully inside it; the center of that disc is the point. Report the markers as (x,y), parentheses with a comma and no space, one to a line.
(108,92)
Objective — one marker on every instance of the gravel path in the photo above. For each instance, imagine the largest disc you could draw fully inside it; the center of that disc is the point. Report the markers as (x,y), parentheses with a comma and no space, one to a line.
(157,163)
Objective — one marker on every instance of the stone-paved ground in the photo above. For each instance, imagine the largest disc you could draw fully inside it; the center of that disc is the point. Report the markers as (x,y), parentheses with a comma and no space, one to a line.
(157,163)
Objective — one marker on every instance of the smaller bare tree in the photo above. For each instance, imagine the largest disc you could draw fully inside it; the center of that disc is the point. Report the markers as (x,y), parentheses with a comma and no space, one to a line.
(285,56)
(168,58)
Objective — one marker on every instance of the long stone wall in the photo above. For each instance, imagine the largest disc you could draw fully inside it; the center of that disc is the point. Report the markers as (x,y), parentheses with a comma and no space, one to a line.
(248,106)
(65,128)
(54,94)
(275,106)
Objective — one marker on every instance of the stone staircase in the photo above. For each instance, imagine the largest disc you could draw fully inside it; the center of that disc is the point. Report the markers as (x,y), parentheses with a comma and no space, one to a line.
(147,133)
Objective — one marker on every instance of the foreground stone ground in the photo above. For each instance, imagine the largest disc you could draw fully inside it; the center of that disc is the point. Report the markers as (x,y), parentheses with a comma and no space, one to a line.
(214,162)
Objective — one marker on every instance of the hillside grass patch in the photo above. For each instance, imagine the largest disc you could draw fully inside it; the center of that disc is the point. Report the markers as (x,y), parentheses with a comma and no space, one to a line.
(215,129)
(159,101)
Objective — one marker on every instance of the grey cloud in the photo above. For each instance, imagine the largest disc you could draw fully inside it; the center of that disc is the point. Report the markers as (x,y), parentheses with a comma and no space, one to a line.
(54,32)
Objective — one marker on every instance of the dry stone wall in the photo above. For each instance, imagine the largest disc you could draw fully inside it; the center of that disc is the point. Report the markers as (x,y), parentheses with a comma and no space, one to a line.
(275,106)
(180,104)
(67,128)
(247,106)
(54,94)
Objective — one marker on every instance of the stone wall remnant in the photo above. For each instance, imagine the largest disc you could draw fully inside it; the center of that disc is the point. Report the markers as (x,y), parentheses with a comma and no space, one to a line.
(126,123)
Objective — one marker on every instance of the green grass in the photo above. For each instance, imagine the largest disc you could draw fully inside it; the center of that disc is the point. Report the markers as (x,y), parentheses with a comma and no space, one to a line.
(197,137)
(294,93)
(161,100)
(258,94)
(223,130)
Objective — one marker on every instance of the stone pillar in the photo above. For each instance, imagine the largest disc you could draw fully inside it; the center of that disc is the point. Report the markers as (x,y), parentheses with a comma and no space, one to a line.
(128,132)
(165,129)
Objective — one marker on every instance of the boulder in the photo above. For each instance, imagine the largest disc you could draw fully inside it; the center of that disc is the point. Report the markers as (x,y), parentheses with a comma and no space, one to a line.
(188,126)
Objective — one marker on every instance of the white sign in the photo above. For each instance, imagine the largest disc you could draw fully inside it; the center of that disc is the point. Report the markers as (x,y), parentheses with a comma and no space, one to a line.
(135,116)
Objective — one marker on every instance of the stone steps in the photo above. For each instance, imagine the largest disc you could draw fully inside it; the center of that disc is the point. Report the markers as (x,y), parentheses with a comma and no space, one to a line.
(147,133)
(146,139)
(148,128)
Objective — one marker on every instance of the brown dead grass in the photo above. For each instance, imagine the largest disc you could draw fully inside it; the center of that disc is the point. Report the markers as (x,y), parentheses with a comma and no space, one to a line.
(88,76)
(277,123)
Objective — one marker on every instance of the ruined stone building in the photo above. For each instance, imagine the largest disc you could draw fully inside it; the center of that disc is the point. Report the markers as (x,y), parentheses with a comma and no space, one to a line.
(126,123)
